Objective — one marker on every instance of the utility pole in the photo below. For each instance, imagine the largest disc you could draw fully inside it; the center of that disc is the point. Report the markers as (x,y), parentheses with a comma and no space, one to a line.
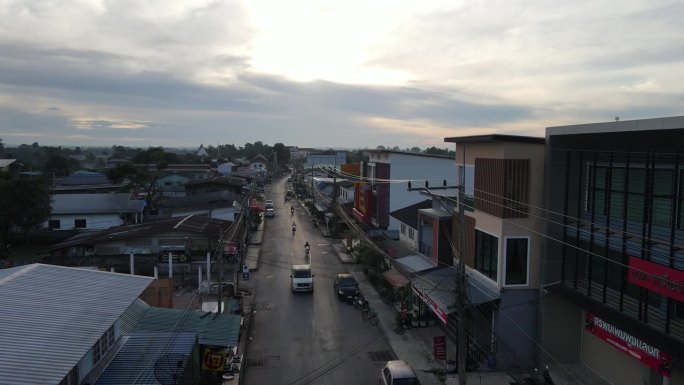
(460,281)
(220,285)
(313,195)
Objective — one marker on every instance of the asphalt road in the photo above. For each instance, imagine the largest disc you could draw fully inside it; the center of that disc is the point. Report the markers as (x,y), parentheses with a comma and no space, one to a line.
(306,338)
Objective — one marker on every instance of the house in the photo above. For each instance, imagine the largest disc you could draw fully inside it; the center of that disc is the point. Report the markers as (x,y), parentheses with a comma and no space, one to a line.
(502,176)
(408,222)
(375,198)
(81,182)
(172,185)
(232,184)
(67,320)
(93,211)
(6,164)
(218,205)
(615,246)
(226,168)
(185,238)
(345,191)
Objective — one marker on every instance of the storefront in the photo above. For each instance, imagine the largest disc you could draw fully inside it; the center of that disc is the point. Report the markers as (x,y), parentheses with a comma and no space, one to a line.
(620,357)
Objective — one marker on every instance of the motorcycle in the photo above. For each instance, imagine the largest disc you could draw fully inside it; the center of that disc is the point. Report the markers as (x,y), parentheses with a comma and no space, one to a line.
(307,248)
(360,301)
(294,228)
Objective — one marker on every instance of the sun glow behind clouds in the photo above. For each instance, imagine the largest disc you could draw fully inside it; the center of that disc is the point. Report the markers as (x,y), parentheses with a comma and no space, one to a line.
(310,40)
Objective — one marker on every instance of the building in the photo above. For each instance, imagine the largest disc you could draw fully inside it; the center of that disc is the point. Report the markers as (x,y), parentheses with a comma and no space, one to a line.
(60,323)
(93,211)
(325,159)
(503,182)
(408,222)
(615,249)
(375,197)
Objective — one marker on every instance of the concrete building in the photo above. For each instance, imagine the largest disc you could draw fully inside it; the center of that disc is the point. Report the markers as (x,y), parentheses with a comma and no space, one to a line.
(615,254)
(503,182)
(375,197)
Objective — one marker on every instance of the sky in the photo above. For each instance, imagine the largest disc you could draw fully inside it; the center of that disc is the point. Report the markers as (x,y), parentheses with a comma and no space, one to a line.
(330,74)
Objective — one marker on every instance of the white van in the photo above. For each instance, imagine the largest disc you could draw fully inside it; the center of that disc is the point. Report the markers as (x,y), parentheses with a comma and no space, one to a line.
(301,278)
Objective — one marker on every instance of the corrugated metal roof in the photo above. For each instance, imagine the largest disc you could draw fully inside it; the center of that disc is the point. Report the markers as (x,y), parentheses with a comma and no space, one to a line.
(213,329)
(52,315)
(135,362)
(95,204)
(133,315)
(414,263)
(6,162)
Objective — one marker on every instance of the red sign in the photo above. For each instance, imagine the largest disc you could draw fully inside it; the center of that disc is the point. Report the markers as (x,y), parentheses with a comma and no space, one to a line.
(630,345)
(439,349)
(656,277)
(231,248)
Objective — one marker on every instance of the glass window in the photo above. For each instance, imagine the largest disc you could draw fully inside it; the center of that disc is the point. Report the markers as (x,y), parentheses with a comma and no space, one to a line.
(403,228)
(54,223)
(80,223)
(412,234)
(486,254)
(516,261)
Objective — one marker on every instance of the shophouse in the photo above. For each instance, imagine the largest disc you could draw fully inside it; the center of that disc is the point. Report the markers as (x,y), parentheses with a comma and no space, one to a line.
(614,267)
(502,227)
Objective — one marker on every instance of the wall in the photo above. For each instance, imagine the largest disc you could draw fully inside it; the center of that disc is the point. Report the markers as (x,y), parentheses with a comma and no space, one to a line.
(418,168)
(93,221)
(613,365)
(514,322)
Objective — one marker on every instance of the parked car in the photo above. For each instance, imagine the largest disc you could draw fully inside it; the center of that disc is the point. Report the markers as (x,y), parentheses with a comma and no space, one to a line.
(269,213)
(398,372)
(346,287)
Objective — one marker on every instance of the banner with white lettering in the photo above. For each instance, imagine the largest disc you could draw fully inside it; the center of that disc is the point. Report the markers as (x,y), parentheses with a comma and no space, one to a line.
(630,345)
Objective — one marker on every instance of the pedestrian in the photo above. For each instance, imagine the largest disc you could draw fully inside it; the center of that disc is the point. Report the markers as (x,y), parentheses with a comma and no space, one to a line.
(245,272)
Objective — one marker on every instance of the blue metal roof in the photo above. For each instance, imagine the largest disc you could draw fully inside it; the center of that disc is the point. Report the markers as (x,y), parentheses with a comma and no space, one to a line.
(60,310)
(213,329)
(134,363)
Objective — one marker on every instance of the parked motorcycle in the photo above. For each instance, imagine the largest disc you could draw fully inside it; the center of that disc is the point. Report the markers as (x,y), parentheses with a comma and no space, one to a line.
(360,301)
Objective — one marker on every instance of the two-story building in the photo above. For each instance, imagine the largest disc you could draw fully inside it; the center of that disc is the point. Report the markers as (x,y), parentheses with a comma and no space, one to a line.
(614,266)
(502,176)
(375,196)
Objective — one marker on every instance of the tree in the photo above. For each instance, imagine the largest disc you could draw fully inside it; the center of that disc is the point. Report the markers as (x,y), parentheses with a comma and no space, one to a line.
(283,153)
(25,203)
(439,151)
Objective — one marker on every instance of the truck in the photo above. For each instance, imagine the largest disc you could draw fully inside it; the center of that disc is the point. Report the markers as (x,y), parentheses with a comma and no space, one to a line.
(301,278)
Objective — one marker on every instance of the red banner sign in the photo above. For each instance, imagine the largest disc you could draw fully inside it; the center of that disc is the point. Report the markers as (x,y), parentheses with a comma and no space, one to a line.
(630,345)
(439,349)
(441,314)
(656,277)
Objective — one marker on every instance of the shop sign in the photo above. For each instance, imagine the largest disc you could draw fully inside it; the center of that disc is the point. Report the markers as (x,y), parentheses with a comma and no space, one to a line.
(630,345)
(213,359)
(351,168)
(656,277)
(231,248)
(439,347)
(442,315)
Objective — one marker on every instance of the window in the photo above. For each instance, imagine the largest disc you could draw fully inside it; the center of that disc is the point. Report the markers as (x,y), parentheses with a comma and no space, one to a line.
(80,223)
(103,344)
(486,254)
(516,261)
(53,223)
(403,228)
(412,233)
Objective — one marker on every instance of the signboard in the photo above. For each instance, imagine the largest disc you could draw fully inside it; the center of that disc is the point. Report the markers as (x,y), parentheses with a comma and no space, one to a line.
(351,168)
(231,248)
(656,277)
(439,347)
(630,345)
(176,257)
(213,360)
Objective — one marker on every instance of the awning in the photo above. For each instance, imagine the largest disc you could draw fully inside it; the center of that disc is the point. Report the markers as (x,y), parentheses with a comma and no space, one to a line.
(412,264)
(437,289)
(395,278)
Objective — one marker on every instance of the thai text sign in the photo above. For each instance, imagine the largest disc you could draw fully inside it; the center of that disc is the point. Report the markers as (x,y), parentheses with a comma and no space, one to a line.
(656,277)
(439,343)
(628,344)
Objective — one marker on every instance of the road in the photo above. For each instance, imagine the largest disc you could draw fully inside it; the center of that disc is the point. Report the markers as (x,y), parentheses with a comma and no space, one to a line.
(306,338)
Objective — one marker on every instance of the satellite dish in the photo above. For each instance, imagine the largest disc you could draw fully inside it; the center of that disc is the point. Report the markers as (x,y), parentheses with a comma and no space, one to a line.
(169,368)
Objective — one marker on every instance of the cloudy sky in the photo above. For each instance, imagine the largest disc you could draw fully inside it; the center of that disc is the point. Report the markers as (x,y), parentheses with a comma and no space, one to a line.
(316,73)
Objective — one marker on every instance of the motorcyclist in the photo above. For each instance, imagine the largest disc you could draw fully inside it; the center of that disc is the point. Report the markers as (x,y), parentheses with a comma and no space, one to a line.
(292,210)
(307,247)
(294,226)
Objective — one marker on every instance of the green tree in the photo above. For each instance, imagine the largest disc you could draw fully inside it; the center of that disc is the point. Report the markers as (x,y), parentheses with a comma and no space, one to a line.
(25,203)
(282,152)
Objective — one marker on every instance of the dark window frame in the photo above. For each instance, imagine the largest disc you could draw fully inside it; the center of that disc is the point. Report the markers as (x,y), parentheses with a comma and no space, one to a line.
(486,259)
(525,268)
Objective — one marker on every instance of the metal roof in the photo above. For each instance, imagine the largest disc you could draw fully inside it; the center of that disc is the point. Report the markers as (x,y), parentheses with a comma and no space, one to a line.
(409,214)
(212,329)
(135,362)
(95,204)
(6,162)
(414,263)
(52,316)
